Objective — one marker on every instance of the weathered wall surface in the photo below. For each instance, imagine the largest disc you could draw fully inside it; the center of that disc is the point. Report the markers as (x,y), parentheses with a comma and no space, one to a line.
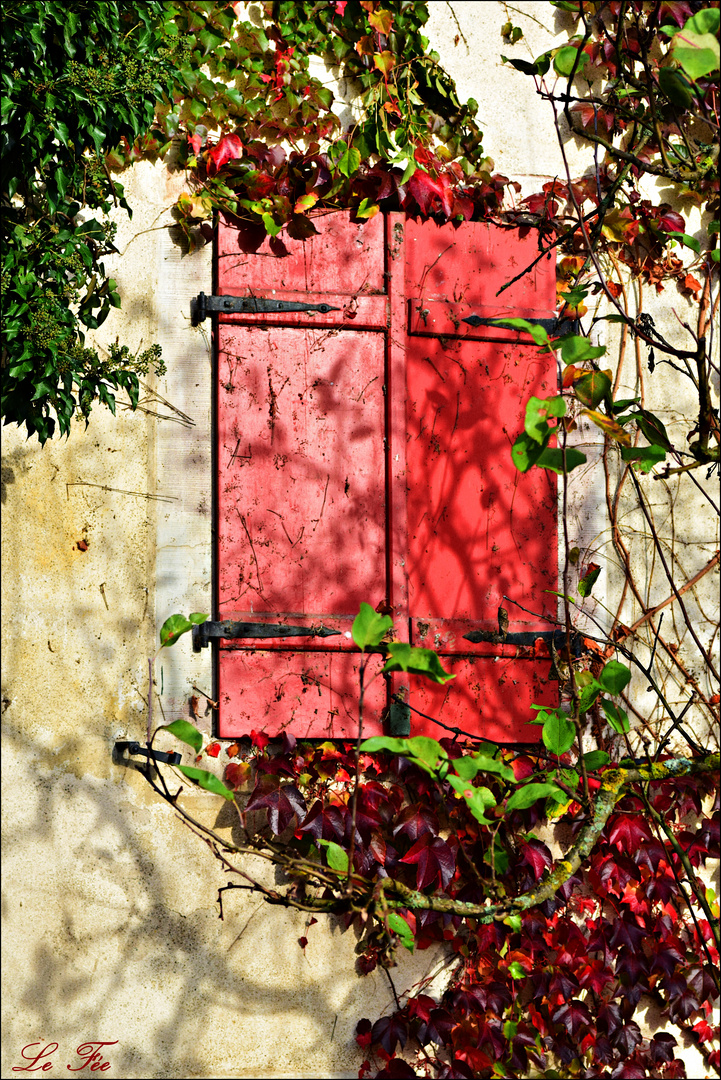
(111,923)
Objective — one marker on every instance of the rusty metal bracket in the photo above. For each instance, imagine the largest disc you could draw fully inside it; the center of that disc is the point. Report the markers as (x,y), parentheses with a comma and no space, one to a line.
(156,755)
(554,327)
(204,633)
(203,305)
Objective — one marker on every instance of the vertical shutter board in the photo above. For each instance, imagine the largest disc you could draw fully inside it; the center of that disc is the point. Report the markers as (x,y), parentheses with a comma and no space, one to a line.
(341,258)
(397,434)
(313,695)
(301,471)
(478,529)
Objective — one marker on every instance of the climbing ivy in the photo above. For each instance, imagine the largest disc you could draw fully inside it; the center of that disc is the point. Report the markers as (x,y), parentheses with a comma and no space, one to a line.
(91,90)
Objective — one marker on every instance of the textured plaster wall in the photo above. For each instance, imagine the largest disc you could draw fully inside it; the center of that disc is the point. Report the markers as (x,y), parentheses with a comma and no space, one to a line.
(111,925)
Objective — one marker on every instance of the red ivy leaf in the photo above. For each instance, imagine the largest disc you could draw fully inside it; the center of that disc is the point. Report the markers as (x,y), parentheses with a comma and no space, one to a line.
(432,196)
(363,1033)
(626,831)
(237,772)
(229,148)
(212,749)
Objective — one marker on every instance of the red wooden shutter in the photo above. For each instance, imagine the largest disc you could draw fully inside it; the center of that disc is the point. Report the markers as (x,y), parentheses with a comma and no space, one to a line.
(364,454)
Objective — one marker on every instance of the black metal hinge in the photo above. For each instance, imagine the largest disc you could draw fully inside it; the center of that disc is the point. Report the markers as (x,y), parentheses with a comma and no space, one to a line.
(554,327)
(155,755)
(204,305)
(203,634)
(528,637)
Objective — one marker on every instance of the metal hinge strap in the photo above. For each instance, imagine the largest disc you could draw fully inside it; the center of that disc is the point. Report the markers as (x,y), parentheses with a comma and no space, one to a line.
(135,748)
(203,634)
(204,305)
(554,326)
(528,637)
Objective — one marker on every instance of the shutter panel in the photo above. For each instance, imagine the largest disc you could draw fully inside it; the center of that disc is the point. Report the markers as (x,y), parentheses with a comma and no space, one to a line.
(478,530)
(363,454)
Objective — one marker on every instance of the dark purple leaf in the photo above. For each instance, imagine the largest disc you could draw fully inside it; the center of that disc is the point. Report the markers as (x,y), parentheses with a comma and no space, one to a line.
(627,1038)
(574,1015)
(537,855)
(608,1017)
(650,854)
(388,1031)
(434,860)
(325,822)
(633,965)
(396,1067)
(498,998)
(282,802)
(627,1070)
(682,1006)
(603,1051)
(661,1048)
(414,822)
(564,984)
(626,931)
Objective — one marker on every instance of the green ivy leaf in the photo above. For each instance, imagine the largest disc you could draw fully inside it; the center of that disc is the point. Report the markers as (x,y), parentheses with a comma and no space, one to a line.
(537,412)
(186,732)
(595,760)
(617,718)
(538,333)
(566,57)
(645,456)
(369,628)
(530,793)
(588,695)
(478,799)
(538,67)
(614,678)
(384,742)
(176,625)
(686,240)
(576,349)
(695,46)
(206,780)
(558,733)
(404,657)
(336,856)
(552,458)
(591,389)
(525,452)
(468,767)
(652,428)
(587,582)
(399,926)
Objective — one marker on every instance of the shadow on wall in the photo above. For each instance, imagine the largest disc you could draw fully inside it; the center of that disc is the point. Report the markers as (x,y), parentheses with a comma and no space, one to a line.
(109,942)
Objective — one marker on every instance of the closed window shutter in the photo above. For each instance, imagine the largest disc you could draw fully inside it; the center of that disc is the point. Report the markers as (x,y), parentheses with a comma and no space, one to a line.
(363,454)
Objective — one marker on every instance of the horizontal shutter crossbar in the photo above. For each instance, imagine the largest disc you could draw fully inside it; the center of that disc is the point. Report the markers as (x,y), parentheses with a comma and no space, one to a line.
(203,633)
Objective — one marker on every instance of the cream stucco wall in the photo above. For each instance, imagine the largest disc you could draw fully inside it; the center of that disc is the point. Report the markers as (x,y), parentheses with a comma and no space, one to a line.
(111,923)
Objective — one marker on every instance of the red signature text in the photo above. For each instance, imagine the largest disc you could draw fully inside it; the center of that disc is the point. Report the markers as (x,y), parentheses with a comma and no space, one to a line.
(39,1060)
